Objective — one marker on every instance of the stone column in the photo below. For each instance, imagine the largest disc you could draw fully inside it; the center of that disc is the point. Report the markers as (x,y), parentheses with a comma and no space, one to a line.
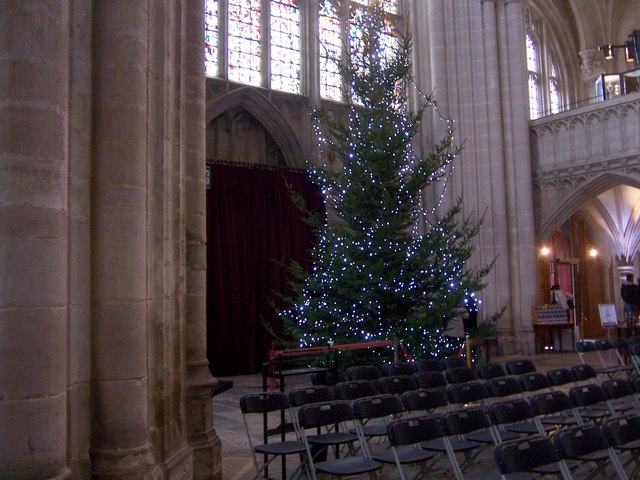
(34,98)
(522,252)
(202,436)
(120,431)
(497,214)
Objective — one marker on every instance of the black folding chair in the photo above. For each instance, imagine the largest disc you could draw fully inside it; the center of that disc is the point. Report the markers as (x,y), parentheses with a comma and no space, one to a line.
(429,365)
(374,413)
(623,433)
(263,404)
(535,454)
(621,394)
(352,390)
(460,375)
(588,352)
(460,424)
(318,416)
(515,416)
(588,445)
(391,369)
(559,377)
(488,371)
(590,403)
(425,401)
(430,379)
(552,408)
(396,384)
(534,382)
(519,367)
(406,436)
(363,372)
(453,362)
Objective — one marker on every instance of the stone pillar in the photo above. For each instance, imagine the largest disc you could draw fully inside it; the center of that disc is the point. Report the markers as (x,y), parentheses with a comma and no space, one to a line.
(120,431)
(202,436)
(34,102)
(497,214)
(522,252)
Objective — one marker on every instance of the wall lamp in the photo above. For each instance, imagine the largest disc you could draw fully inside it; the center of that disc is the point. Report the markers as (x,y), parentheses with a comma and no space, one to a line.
(631,48)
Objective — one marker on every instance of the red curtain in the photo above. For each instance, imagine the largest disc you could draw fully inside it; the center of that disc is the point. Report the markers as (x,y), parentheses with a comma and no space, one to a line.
(253,228)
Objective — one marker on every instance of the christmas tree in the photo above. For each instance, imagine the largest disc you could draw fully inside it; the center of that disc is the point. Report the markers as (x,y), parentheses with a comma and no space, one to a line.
(384,266)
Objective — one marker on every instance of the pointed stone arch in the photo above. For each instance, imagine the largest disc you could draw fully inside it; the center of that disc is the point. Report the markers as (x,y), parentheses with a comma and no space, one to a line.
(266,112)
(573,200)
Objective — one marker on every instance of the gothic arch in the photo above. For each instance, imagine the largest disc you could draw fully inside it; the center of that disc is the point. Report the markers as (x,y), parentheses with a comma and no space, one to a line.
(267,114)
(574,199)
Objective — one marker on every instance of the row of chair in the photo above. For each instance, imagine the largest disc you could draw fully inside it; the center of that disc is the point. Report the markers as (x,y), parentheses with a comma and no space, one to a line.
(440,434)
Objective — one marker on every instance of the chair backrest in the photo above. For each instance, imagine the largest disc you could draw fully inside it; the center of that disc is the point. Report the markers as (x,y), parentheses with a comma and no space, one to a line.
(424,400)
(406,431)
(487,371)
(322,414)
(429,365)
(519,367)
(304,395)
(580,440)
(550,402)
(467,420)
(533,382)
(453,362)
(617,388)
(329,378)
(430,379)
(586,395)
(363,372)
(560,376)
(396,384)
(467,392)
(354,389)
(510,411)
(603,345)
(377,406)
(389,369)
(634,380)
(524,455)
(584,372)
(263,402)
(460,375)
(585,346)
(503,387)
(623,429)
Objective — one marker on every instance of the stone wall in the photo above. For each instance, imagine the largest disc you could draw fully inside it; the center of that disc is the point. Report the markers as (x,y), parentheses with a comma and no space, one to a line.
(102,242)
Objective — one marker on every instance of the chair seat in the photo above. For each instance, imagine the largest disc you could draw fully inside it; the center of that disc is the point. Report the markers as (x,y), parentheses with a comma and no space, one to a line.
(528,427)
(633,445)
(458,444)
(376,430)
(332,438)
(484,436)
(406,455)
(558,420)
(597,456)
(554,468)
(348,466)
(280,448)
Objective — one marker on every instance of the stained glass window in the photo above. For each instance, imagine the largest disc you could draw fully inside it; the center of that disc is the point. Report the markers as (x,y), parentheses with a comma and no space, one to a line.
(244,45)
(285,45)
(533,65)
(330,50)
(211,38)
(389,6)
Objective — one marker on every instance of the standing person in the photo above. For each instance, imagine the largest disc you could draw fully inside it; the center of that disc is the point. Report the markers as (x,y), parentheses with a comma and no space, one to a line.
(563,299)
(629,293)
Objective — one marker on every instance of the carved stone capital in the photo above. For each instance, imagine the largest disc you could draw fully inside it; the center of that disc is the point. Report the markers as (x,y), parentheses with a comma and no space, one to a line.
(591,64)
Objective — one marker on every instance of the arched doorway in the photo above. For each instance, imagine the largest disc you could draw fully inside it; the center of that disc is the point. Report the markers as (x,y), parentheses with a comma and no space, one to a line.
(254,231)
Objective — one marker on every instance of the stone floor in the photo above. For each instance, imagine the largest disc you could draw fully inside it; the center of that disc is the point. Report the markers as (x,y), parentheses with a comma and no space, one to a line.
(236,457)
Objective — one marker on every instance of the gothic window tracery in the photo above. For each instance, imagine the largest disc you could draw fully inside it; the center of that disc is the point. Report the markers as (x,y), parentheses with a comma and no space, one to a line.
(260,42)
(545,85)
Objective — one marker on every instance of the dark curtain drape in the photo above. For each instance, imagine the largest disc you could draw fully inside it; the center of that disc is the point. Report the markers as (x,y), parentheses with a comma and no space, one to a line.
(253,228)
